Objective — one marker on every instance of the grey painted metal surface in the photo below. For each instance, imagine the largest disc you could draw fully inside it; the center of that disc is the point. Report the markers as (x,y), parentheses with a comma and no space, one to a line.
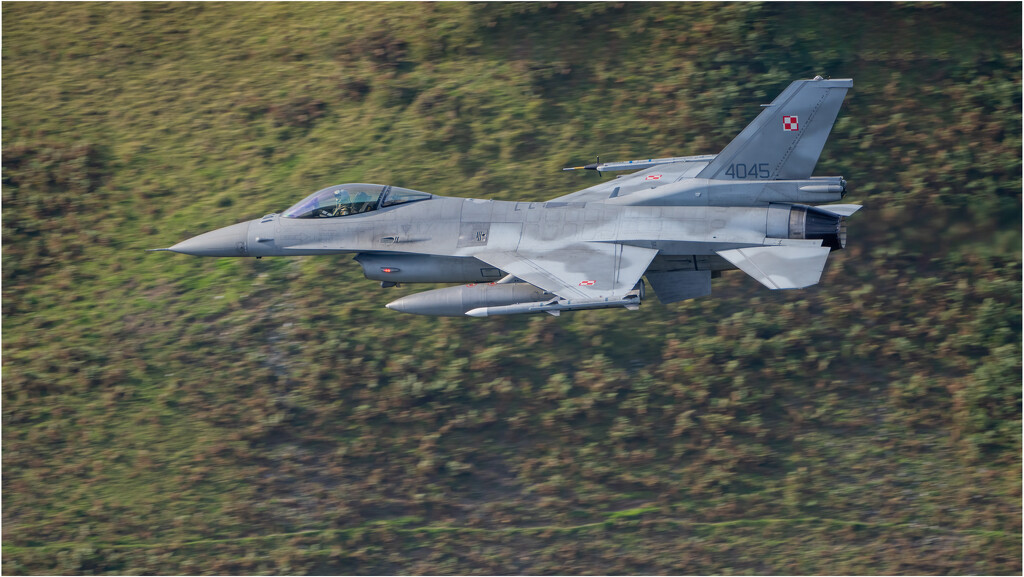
(455,301)
(678,220)
(678,285)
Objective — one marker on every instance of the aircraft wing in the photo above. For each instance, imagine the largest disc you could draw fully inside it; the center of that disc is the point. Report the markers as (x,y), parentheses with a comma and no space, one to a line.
(652,177)
(589,271)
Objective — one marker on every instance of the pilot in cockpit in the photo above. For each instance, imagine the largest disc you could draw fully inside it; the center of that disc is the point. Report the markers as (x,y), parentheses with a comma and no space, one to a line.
(342,205)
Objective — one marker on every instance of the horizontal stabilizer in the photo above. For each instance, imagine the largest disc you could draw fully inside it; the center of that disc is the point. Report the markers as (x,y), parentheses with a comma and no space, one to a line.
(840,209)
(780,267)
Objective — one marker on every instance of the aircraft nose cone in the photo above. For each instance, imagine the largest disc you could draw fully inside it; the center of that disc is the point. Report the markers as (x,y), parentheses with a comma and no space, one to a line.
(227,241)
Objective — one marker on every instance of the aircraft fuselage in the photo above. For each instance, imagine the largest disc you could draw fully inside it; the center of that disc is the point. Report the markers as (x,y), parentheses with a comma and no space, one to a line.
(462,227)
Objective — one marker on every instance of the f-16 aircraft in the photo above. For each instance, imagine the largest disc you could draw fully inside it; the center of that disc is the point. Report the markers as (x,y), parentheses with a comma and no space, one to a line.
(677,221)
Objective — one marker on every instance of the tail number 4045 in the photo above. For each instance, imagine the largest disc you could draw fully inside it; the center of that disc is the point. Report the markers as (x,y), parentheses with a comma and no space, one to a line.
(755,171)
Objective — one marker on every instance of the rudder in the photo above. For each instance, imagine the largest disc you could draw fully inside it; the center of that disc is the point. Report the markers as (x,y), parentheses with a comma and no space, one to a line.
(786,139)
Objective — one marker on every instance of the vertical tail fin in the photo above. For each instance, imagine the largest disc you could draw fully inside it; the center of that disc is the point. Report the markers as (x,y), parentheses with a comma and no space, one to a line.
(785,140)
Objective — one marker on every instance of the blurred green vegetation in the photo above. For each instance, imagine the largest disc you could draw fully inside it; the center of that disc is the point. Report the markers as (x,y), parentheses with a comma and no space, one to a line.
(164,414)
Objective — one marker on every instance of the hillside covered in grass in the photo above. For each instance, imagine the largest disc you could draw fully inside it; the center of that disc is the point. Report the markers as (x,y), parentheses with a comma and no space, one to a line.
(165,414)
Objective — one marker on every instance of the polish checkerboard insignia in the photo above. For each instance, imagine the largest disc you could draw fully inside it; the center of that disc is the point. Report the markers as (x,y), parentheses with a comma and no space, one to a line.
(790,123)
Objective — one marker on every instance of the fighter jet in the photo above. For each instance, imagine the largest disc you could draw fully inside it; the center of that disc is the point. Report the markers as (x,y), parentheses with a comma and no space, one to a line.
(677,221)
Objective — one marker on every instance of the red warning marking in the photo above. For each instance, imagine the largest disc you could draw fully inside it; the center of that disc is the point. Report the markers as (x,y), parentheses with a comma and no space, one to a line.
(588,283)
(653,177)
(790,123)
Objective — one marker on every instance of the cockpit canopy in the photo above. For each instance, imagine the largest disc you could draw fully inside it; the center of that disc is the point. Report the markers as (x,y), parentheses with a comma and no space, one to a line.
(346,199)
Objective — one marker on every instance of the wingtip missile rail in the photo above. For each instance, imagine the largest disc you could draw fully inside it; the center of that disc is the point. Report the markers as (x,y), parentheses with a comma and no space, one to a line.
(555,307)
(640,164)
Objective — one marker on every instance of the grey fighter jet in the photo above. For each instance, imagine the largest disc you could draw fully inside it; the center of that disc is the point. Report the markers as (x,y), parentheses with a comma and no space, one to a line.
(677,221)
